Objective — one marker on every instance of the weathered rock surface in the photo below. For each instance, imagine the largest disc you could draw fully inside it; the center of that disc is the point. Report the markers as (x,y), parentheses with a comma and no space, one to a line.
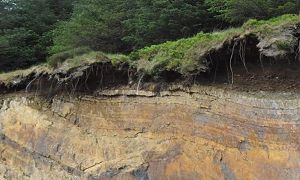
(205,133)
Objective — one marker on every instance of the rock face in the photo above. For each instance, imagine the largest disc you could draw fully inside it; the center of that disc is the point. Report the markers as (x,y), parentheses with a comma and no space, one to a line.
(205,133)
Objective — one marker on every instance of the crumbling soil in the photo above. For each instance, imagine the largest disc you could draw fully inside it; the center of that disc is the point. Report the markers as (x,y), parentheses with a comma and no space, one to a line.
(271,78)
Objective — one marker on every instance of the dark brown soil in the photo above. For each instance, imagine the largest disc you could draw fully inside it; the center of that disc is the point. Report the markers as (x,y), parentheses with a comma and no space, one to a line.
(272,77)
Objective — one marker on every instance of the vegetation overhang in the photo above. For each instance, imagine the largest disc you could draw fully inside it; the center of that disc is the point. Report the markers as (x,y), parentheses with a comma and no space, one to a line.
(277,39)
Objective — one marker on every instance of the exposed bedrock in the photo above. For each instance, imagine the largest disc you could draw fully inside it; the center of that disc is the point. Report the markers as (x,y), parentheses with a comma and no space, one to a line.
(206,133)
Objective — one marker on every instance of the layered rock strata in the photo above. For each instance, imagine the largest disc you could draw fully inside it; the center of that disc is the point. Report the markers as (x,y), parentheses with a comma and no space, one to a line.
(200,133)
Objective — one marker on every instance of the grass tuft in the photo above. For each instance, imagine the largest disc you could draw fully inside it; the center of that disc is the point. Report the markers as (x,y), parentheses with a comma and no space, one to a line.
(57,59)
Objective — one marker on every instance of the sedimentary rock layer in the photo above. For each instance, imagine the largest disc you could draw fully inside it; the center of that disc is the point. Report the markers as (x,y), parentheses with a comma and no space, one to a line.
(202,133)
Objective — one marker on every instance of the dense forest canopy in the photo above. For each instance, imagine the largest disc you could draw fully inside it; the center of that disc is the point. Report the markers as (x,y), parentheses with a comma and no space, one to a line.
(124,26)
(32,30)
(25,29)
(238,11)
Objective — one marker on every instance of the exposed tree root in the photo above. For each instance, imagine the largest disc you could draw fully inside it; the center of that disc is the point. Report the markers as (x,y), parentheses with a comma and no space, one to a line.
(88,72)
(243,54)
(138,85)
(230,61)
(39,86)
(75,87)
(261,62)
(297,53)
(29,84)
(216,69)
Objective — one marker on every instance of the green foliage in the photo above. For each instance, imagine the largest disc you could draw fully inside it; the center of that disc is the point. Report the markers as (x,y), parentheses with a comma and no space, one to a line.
(119,59)
(18,48)
(71,58)
(187,56)
(158,21)
(238,11)
(96,24)
(24,30)
(122,26)
(59,58)
(182,55)
(32,30)
(265,27)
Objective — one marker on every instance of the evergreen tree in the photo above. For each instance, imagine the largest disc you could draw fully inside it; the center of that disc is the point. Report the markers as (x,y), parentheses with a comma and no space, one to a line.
(24,30)
(238,11)
(117,25)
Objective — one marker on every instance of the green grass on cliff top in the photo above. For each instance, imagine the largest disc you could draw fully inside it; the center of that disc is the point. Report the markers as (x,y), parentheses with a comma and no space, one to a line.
(184,56)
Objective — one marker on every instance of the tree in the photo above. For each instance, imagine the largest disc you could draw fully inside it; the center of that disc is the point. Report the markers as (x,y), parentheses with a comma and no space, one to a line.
(158,21)
(122,26)
(238,11)
(24,31)
(97,24)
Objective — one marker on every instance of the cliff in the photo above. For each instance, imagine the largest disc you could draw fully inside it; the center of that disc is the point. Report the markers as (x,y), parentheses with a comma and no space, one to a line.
(200,133)
(209,107)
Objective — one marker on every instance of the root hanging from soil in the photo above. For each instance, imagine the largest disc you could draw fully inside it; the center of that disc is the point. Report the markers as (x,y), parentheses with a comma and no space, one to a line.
(239,62)
(29,84)
(139,83)
(216,69)
(86,78)
(243,54)
(230,61)
(261,62)
(297,56)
